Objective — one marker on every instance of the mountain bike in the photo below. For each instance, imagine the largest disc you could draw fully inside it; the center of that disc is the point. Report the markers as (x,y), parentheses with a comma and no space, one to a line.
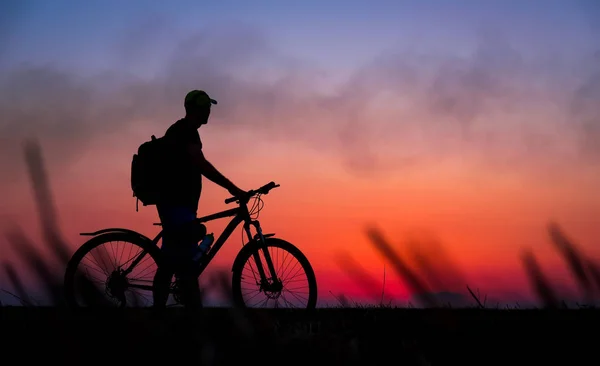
(267,272)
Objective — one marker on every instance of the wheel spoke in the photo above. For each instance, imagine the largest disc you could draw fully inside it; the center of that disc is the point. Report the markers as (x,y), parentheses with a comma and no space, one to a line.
(108,267)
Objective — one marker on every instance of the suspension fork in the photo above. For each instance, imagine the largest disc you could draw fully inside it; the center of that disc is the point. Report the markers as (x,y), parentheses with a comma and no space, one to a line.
(263,246)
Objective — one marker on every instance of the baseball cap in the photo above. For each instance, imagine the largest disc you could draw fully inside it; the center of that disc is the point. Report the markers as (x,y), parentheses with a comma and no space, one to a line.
(198,98)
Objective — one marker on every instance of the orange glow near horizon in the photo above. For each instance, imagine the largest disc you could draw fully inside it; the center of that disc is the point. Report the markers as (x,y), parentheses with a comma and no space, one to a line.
(481,221)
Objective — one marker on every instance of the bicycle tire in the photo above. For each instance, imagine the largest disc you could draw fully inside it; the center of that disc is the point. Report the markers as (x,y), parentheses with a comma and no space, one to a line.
(250,249)
(70,292)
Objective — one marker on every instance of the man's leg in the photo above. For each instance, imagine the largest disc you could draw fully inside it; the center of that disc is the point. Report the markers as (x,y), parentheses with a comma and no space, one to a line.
(164,273)
(181,241)
(189,236)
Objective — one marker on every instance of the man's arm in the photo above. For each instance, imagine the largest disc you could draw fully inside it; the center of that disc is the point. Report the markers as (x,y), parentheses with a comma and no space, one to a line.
(210,172)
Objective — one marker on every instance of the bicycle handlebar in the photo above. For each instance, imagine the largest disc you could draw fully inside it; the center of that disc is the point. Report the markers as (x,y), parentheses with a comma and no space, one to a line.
(262,190)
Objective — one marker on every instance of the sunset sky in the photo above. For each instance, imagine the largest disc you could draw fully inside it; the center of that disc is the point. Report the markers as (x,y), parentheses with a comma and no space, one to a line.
(471,123)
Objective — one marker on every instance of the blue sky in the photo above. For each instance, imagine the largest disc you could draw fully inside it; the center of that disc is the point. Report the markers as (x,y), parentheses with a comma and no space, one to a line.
(544,46)
(338,35)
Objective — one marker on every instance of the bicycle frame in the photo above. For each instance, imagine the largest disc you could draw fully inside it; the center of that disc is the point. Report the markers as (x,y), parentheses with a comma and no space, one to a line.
(240,214)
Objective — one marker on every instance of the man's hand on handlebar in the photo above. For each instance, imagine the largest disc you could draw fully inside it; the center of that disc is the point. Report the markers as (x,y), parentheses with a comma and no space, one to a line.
(246,195)
(236,192)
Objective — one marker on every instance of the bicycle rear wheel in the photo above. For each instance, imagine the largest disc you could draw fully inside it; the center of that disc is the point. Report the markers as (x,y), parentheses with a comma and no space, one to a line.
(100,273)
(293,271)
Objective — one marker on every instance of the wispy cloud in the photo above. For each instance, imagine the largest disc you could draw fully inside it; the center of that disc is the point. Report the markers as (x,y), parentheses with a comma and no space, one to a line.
(399,111)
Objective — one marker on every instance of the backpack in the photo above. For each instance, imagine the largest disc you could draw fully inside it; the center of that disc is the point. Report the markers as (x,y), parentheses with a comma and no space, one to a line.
(148,169)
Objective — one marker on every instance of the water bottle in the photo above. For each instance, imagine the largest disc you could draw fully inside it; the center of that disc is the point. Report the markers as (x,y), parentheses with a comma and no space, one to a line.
(204,245)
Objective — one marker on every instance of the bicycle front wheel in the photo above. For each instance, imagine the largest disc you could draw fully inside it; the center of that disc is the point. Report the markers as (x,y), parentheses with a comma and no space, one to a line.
(296,284)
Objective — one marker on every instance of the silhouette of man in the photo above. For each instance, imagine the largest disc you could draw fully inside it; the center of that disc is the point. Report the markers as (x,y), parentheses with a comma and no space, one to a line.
(178,205)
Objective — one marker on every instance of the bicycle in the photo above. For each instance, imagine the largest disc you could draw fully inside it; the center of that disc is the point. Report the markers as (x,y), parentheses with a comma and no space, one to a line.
(269,282)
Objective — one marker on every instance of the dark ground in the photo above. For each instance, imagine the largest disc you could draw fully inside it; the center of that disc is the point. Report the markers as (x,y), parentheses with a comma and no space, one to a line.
(284,337)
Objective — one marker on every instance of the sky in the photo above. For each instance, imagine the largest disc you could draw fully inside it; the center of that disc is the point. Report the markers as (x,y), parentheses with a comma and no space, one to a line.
(471,122)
